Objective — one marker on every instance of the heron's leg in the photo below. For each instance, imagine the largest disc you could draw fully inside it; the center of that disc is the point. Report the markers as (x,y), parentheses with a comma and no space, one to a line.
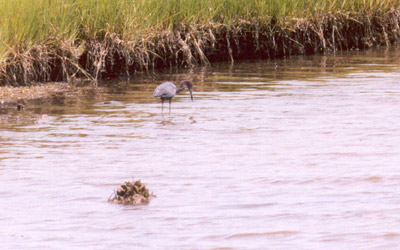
(170,106)
(162,106)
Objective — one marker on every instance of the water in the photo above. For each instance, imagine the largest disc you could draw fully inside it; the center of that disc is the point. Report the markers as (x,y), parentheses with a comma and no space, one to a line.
(292,154)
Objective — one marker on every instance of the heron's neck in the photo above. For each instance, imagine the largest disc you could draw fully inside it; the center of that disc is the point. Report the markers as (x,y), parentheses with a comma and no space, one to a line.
(178,90)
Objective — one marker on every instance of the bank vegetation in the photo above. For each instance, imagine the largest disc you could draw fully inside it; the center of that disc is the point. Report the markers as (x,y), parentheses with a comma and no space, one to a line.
(63,40)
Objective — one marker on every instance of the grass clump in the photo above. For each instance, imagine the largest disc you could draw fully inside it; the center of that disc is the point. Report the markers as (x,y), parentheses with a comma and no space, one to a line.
(132,193)
(59,40)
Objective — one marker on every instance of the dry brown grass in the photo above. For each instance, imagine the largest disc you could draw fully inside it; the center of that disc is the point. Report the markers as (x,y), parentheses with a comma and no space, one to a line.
(194,44)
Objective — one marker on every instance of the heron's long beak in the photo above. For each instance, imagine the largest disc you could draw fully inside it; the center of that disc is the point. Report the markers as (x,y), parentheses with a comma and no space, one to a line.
(191,94)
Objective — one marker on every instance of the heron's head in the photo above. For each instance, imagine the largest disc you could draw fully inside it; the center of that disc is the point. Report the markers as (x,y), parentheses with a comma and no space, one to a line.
(189,85)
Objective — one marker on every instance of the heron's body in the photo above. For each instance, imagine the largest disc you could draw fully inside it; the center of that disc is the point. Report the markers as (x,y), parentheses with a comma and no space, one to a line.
(167,91)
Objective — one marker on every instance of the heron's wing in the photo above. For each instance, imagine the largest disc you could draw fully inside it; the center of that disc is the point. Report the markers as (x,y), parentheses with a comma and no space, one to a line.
(165,90)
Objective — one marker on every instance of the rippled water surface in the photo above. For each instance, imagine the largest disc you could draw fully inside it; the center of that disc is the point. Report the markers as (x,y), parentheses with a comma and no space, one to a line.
(301,153)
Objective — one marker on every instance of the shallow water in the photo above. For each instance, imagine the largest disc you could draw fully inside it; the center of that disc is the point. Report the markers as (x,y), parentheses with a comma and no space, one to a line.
(302,153)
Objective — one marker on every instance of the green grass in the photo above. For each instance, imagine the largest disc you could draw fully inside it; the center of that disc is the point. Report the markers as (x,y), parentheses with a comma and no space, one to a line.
(25,24)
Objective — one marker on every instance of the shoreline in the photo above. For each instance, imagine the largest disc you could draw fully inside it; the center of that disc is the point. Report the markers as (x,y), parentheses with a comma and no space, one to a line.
(13,96)
(188,45)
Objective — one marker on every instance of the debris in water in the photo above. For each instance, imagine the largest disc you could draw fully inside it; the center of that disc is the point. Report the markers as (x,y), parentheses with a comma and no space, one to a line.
(192,120)
(20,107)
(132,193)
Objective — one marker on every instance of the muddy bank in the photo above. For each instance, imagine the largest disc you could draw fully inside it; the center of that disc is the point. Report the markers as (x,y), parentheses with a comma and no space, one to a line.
(190,45)
(27,104)
(12,96)
(55,92)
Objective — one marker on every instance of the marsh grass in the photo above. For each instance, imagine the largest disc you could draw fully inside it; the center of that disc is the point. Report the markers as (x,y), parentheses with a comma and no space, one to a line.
(44,40)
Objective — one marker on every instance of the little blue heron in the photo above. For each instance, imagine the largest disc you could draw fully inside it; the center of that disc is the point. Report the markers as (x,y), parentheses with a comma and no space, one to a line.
(167,91)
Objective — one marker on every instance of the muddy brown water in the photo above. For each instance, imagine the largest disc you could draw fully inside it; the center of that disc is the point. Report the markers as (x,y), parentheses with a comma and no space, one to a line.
(302,153)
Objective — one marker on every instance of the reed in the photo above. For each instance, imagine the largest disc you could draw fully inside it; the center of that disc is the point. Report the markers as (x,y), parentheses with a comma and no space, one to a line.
(47,40)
